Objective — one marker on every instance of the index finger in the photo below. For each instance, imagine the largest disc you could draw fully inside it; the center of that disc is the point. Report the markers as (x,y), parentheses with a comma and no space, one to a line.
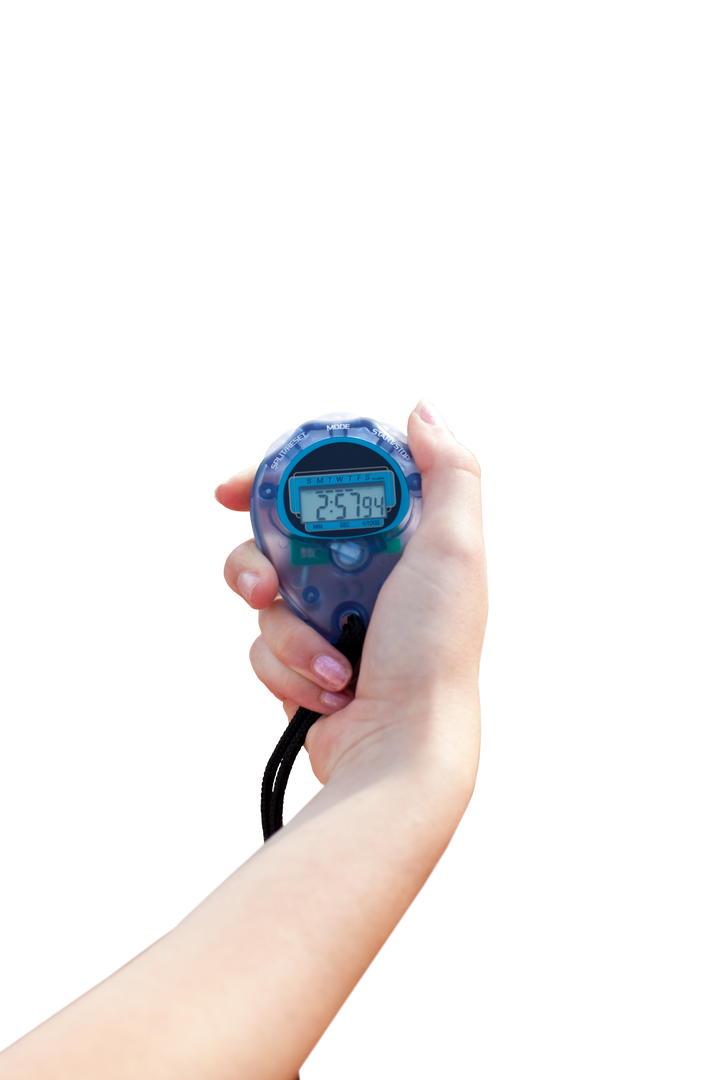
(235,492)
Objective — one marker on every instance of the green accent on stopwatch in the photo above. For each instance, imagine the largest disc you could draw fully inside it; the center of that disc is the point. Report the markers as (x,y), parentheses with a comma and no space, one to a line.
(308,554)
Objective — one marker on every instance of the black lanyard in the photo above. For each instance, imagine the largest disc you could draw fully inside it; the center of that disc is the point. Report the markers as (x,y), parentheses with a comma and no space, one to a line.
(282,759)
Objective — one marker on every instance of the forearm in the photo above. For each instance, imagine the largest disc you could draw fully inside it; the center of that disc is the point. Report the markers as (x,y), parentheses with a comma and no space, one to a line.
(341,877)
(248,982)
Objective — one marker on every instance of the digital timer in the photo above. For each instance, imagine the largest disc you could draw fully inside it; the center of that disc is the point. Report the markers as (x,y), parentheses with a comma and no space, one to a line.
(327,500)
(333,505)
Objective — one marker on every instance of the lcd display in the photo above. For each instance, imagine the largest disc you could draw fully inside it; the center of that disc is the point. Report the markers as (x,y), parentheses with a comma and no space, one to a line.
(349,502)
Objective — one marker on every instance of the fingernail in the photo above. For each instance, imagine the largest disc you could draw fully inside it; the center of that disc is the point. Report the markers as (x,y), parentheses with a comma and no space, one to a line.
(336,701)
(214,491)
(331,671)
(427,412)
(246,583)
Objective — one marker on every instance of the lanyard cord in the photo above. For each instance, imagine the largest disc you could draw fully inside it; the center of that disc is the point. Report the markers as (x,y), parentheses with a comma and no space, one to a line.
(282,759)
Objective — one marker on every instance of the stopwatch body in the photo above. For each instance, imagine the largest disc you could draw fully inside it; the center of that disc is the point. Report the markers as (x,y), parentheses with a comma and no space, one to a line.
(333,506)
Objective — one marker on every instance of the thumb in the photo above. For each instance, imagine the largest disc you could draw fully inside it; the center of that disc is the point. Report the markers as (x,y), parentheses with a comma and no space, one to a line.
(427,629)
(451,513)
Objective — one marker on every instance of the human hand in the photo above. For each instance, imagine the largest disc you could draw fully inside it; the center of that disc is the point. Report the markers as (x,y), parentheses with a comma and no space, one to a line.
(417,688)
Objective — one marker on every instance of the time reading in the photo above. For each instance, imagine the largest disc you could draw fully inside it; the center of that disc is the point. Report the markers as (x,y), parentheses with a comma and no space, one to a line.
(355,503)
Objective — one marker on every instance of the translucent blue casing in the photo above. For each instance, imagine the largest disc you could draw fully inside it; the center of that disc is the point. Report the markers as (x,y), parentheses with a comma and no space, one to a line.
(330,568)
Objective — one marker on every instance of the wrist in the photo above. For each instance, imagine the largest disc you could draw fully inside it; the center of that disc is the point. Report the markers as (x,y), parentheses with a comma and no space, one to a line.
(433,753)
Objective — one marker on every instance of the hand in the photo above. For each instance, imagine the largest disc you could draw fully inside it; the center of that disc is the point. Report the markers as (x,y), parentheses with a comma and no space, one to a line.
(419,671)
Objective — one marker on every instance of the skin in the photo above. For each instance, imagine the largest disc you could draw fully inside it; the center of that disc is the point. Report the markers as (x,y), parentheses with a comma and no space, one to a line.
(248,982)
(442,581)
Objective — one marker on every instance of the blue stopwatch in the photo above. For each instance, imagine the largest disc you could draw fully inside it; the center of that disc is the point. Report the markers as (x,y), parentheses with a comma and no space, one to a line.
(333,505)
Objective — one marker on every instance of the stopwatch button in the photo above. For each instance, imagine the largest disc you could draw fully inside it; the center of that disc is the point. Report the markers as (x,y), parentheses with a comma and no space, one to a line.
(268,491)
(349,554)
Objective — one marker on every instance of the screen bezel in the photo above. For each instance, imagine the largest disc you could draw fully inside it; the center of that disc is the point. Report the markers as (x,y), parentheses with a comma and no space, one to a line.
(342,454)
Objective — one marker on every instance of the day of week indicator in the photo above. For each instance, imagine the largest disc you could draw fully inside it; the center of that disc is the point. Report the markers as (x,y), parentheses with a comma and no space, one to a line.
(330,479)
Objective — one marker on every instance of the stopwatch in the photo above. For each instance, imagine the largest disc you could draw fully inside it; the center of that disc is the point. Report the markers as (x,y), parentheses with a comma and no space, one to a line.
(333,506)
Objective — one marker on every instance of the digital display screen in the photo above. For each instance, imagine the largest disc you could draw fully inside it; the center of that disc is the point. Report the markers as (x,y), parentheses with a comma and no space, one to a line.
(360,503)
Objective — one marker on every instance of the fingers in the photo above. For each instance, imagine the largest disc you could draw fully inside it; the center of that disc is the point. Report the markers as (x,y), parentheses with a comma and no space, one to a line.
(284,661)
(297,646)
(291,659)
(295,663)
(291,687)
(251,575)
(235,492)
(245,572)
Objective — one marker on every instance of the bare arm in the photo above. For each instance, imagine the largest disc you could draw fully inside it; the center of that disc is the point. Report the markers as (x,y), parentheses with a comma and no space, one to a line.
(247,983)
